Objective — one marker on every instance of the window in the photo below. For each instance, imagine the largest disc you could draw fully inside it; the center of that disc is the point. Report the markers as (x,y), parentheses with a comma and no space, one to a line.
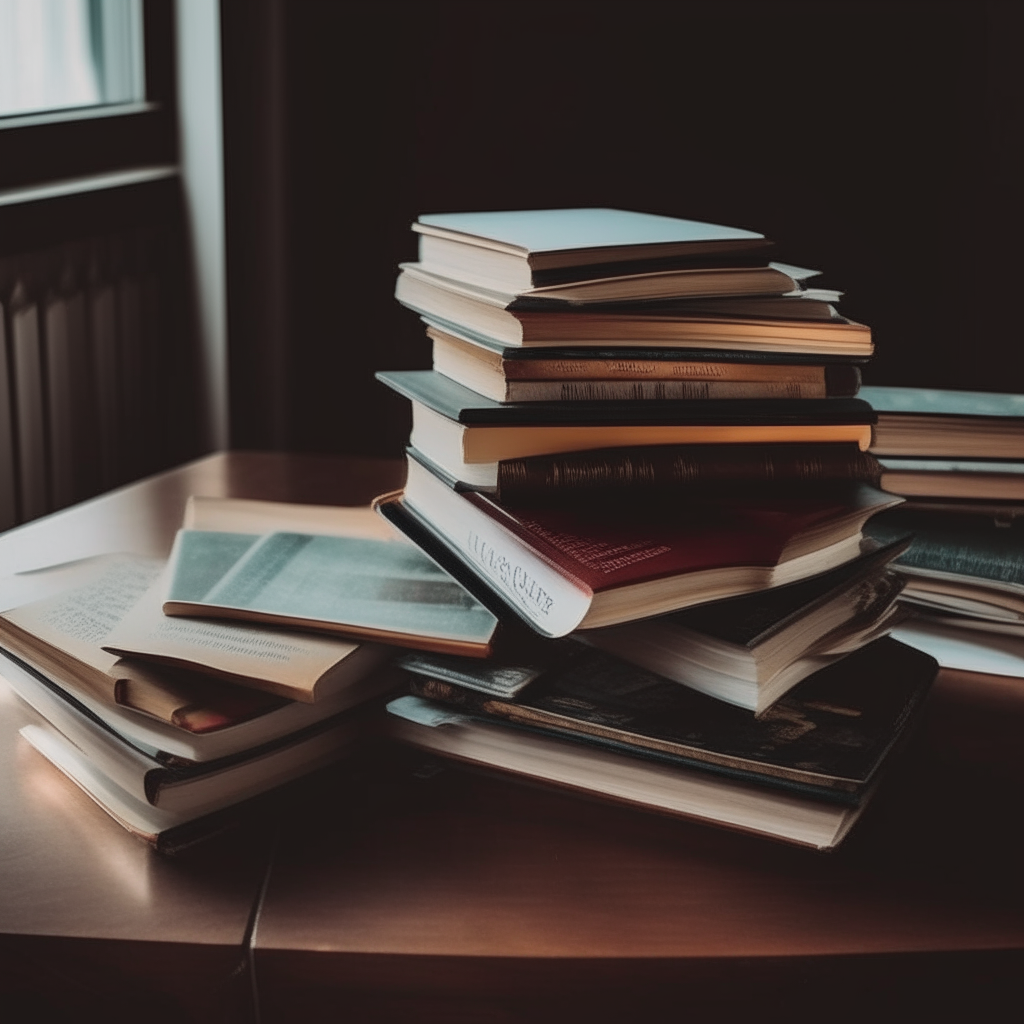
(69,55)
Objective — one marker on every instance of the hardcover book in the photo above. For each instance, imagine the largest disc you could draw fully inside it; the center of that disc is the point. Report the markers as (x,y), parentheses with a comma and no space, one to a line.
(615,376)
(802,774)
(529,248)
(501,320)
(561,573)
(947,424)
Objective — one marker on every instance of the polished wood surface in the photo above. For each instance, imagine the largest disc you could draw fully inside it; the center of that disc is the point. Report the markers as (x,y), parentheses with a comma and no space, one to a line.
(86,910)
(402,889)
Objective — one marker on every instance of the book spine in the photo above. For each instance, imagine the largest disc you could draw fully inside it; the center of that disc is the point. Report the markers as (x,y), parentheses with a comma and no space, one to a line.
(686,470)
(660,369)
(842,380)
(654,390)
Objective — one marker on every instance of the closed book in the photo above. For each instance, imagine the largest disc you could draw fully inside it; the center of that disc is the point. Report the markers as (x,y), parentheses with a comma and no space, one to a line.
(561,569)
(191,808)
(501,319)
(666,472)
(966,480)
(201,788)
(524,249)
(468,434)
(499,375)
(802,775)
(960,563)
(947,424)
(505,374)
(50,696)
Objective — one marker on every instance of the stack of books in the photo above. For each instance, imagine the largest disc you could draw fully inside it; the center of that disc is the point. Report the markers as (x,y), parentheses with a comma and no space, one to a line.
(641,434)
(171,724)
(958,458)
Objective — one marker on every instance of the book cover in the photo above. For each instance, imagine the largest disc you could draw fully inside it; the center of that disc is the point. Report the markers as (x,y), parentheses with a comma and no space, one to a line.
(353,586)
(830,734)
(455,402)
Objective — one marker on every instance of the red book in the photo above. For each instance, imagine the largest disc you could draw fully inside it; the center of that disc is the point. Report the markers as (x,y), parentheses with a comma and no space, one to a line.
(593,565)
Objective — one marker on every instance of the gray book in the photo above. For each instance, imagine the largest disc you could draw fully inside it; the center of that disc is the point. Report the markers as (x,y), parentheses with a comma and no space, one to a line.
(357,587)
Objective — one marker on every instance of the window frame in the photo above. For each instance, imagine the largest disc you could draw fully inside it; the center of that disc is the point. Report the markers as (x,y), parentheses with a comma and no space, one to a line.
(88,141)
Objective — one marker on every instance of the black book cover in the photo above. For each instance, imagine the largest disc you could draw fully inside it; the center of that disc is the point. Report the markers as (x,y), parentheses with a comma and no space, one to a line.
(444,396)
(830,733)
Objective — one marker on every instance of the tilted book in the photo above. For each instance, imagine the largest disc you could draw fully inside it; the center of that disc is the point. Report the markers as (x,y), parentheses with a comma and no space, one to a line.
(561,571)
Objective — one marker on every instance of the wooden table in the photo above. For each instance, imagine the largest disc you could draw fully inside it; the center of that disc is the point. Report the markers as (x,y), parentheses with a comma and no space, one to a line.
(398,889)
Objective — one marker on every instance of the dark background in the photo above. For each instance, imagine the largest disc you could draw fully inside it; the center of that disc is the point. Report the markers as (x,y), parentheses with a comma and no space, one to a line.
(880,143)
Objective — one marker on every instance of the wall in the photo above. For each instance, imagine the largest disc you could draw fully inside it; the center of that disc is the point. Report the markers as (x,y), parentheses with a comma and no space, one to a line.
(878,142)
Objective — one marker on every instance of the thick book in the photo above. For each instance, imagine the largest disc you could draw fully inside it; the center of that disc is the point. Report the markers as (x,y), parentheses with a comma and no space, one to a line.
(608,376)
(966,564)
(501,319)
(561,571)
(751,650)
(802,774)
(927,422)
(62,636)
(53,697)
(656,287)
(459,429)
(966,480)
(173,808)
(667,472)
(353,587)
(524,249)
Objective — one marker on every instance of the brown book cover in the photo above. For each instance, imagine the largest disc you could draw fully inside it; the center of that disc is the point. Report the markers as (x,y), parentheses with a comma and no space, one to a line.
(660,472)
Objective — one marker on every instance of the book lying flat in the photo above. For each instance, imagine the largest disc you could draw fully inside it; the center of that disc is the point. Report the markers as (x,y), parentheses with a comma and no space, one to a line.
(751,650)
(560,572)
(171,745)
(523,249)
(459,429)
(947,424)
(667,472)
(975,480)
(619,376)
(62,637)
(657,286)
(802,774)
(965,564)
(499,319)
(367,589)
(174,808)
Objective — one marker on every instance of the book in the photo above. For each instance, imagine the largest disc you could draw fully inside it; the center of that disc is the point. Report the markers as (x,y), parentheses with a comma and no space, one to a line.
(467,434)
(666,472)
(352,587)
(560,572)
(62,636)
(173,808)
(974,480)
(606,375)
(658,286)
(523,249)
(750,650)
(501,319)
(802,774)
(967,564)
(947,424)
(171,745)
